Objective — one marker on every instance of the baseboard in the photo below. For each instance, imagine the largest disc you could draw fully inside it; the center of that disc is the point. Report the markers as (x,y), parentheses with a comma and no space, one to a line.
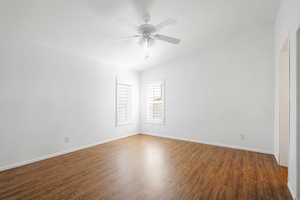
(292,191)
(278,161)
(210,143)
(22,163)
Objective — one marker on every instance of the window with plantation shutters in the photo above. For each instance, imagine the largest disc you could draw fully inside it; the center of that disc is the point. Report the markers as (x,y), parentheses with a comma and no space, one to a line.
(123,103)
(155,103)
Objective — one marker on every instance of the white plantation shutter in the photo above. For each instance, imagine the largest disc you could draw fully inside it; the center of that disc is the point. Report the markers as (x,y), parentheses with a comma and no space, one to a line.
(123,102)
(155,103)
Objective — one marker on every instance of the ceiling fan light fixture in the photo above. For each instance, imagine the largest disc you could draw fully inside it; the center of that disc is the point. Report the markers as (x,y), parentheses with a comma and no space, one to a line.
(147,49)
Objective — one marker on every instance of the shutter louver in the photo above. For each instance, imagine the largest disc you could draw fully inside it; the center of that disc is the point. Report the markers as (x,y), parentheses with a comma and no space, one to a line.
(123,103)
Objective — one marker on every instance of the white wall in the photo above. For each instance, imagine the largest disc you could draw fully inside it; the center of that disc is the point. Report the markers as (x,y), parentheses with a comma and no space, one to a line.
(47,95)
(220,93)
(287,23)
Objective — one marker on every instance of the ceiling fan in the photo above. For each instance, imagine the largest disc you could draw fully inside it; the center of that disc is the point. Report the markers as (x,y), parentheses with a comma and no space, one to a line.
(147,33)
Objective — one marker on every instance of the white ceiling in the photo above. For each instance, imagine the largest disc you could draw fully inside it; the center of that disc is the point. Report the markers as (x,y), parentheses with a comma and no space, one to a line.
(95,28)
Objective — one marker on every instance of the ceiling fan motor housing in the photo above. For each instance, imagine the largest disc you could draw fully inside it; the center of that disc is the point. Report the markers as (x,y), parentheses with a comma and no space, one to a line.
(146,29)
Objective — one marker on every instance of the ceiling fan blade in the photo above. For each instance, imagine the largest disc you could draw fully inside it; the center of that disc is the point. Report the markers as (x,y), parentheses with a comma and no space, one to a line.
(167,39)
(123,39)
(130,37)
(165,23)
(142,7)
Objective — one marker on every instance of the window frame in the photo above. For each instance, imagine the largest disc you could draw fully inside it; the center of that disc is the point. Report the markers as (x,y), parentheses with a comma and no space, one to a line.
(163,100)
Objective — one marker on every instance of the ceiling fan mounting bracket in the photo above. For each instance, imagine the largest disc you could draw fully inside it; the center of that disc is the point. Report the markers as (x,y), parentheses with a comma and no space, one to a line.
(147,17)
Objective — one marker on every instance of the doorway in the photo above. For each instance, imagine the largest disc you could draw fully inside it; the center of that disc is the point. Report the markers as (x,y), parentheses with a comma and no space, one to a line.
(284,104)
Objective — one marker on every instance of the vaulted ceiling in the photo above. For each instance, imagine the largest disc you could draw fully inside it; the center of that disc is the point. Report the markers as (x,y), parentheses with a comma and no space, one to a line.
(96,28)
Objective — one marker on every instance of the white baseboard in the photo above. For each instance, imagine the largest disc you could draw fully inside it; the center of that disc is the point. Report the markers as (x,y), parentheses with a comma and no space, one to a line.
(280,163)
(292,191)
(26,162)
(210,143)
(18,164)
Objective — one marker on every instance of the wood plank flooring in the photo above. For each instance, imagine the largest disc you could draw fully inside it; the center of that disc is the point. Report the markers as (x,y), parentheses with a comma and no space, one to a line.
(144,167)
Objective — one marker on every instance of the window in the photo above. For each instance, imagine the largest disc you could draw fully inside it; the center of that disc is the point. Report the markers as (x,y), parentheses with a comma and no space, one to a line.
(155,103)
(123,103)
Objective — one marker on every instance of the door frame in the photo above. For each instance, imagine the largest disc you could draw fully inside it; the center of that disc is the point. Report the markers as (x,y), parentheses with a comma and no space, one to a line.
(284,48)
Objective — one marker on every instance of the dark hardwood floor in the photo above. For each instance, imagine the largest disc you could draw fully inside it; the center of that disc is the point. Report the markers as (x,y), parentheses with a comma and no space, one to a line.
(144,167)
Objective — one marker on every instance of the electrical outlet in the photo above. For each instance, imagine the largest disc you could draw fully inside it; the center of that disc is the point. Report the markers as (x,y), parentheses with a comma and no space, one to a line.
(242,136)
(67,139)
